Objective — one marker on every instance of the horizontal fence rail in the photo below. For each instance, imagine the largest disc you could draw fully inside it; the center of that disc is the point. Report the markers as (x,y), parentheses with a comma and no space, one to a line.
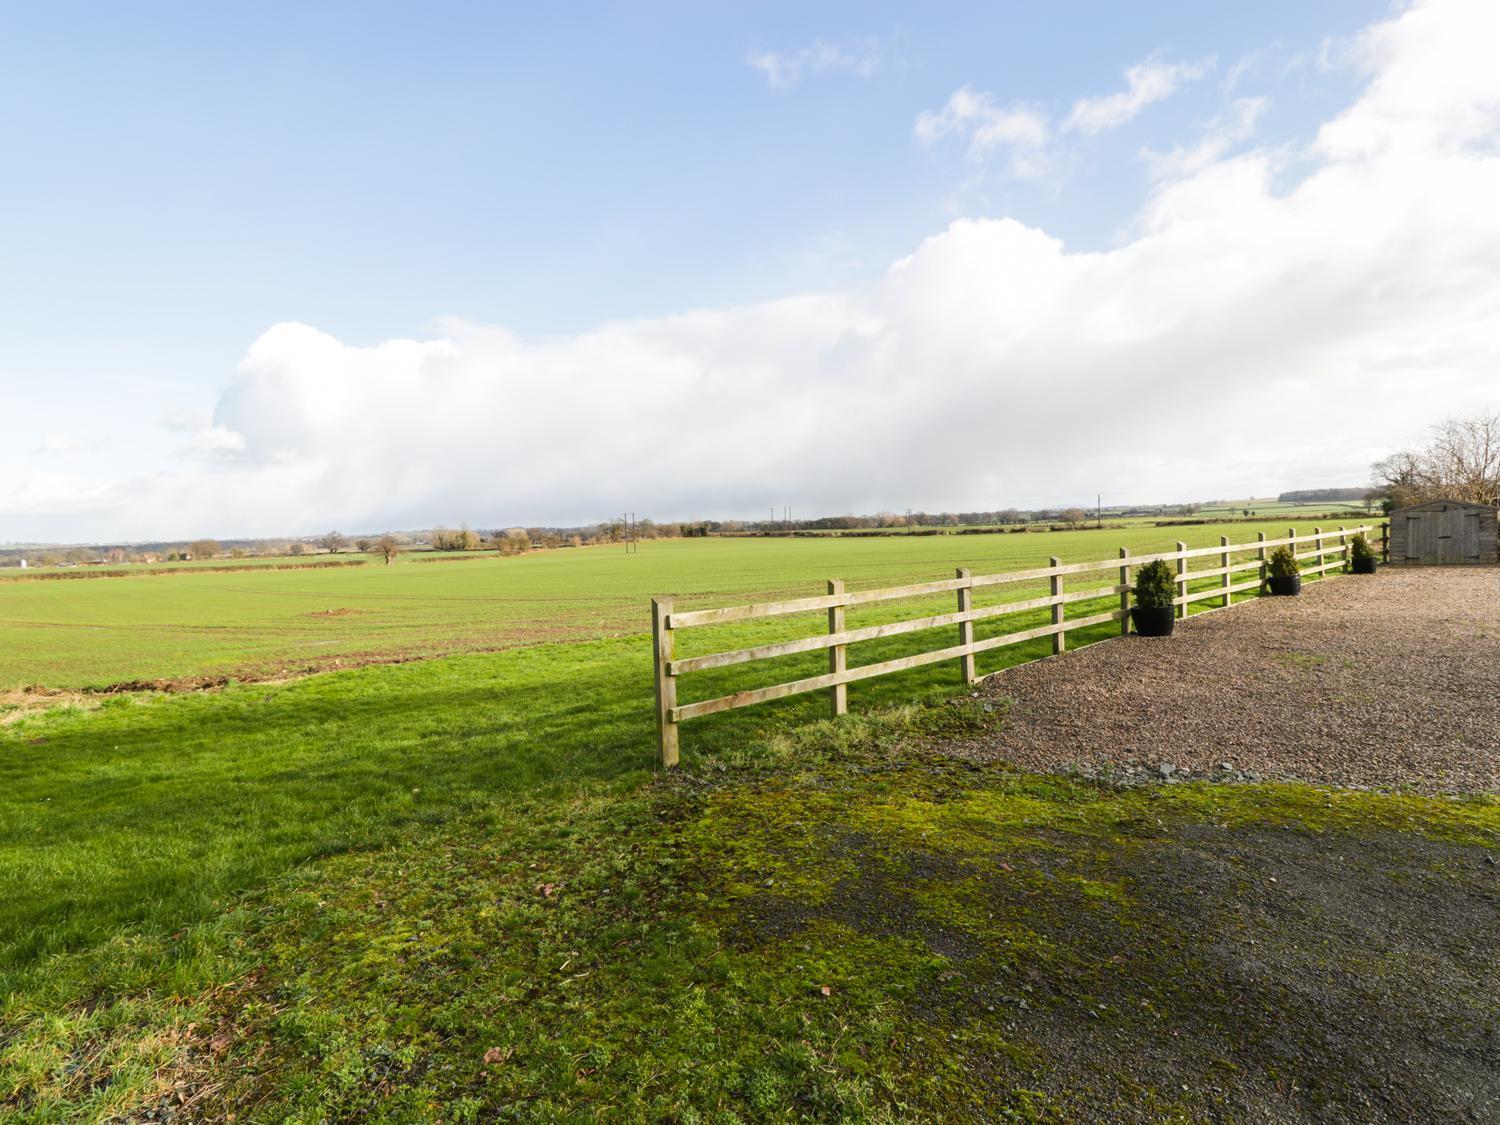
(1329,551)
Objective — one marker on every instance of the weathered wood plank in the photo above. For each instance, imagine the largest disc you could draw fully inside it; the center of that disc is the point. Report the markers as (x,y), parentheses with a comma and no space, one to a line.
(1182,579)
(837,658)
(875,632)
(966,627)
(1224,561)
(866,671)
(1218,592)
(1059,612)
(666,684)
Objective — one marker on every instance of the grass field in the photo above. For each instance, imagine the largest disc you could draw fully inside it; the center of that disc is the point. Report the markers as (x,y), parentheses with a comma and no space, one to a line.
(253,896)
(267,623)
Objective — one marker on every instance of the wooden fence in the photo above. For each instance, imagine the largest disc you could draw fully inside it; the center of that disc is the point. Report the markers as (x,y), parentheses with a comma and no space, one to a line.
(1327,550)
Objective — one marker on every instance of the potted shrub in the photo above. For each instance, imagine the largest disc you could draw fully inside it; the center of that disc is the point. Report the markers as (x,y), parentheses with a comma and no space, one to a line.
(1284,573)
(1361,555)
(1153,614)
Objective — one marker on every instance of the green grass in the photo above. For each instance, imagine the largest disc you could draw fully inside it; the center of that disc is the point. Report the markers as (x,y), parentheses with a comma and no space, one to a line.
(262,622)
(569,939)
(155,850)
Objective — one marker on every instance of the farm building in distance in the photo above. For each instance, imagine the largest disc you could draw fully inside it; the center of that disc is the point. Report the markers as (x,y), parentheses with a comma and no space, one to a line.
(1445,532)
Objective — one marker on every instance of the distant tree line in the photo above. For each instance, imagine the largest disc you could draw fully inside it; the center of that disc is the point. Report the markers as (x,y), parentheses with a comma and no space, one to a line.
(1315,495)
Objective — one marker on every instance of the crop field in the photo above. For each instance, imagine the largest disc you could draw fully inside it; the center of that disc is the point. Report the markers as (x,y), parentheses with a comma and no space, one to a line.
(266,623)
(456,888)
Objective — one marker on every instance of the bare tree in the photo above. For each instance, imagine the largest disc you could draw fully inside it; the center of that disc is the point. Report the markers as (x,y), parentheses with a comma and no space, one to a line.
(1461,461)
(1075,516)
(333,542)
(387,547)
(203,549)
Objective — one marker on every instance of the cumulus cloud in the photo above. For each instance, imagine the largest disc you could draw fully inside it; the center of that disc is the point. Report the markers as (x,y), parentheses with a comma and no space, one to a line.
(1249,336)
(1145,84)
(785,69)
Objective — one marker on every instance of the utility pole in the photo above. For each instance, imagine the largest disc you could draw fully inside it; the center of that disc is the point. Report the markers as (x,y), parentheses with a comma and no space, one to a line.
(1098,509)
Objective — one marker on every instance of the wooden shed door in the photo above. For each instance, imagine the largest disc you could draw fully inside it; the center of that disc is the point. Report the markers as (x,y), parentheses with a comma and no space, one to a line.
(1443,537)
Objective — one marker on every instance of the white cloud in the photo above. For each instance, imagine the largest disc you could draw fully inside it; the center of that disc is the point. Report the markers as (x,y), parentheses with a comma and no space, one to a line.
(1231,128)
(189,419)
(1434,84)
(1249,336)
(1026,133)
(988,127)
(785,69)
(1145,83)
(55,443)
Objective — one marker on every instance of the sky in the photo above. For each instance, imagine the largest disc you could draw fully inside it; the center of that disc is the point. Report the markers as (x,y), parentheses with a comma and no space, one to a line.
(273,269)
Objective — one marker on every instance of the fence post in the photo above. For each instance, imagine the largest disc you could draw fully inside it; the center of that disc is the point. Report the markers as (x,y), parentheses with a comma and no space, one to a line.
(1318,540)
(838,655)
(1291,534)
(666,684)
(1125,593)
(1260,554)
(966,628)
(1224,565)
(1059,638)
(1182,581)
(1344,546)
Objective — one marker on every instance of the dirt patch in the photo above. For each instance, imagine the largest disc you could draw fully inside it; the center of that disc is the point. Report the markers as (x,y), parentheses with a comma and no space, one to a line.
(19,703)
(1385,681)
(342,611)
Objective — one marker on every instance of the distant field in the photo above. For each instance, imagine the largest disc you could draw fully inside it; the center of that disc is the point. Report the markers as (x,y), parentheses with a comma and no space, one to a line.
(262,622)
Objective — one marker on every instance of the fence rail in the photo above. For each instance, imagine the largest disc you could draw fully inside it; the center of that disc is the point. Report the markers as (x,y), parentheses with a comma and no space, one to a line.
(1330,551)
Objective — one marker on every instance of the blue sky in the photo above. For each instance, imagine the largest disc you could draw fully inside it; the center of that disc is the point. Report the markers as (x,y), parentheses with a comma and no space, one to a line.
(181,178)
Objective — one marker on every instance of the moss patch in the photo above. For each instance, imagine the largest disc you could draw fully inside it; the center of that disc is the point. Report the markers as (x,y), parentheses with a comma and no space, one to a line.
(837,925)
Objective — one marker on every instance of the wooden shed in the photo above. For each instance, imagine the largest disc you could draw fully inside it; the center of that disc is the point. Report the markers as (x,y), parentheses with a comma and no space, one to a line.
(1445,532)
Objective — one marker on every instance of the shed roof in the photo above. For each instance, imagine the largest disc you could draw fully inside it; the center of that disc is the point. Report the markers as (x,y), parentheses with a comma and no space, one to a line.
(1443,504)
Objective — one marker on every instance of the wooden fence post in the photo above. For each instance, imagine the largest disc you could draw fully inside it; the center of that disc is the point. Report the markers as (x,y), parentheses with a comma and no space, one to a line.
(666,684)
(838,656)
(1261,555)
(1059,638)
(1291,534)
(1182,580)
(1318,541)
(1344,546)
(1125,593)
(1224,565)
(966,628)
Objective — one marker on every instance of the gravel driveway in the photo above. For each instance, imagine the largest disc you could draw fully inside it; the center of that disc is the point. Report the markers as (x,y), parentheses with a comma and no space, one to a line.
(1389,681)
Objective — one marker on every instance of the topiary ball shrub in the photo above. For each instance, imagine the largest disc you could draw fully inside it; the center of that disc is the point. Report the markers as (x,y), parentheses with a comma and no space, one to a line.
(1284,573)
(1155,590)
(1361,555)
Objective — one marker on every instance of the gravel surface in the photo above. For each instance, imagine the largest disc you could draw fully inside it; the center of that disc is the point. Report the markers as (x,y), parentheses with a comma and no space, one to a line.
(1386,681)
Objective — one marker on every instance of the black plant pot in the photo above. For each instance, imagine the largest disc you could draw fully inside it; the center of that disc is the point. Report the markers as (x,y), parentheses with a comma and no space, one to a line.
(1287,587)
(1363,566)
(1153,621)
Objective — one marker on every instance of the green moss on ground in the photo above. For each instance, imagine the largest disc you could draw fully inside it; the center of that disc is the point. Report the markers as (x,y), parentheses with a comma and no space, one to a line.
(837,925)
